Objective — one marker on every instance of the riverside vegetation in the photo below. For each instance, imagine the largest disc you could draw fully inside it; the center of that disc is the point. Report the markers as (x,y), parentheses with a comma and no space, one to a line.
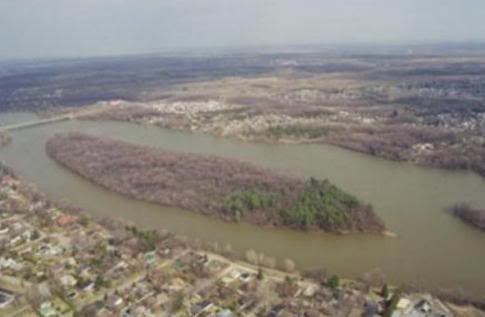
(214,186)
(470,214)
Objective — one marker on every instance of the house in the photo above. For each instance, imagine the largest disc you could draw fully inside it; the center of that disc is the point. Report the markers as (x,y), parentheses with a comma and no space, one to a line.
(72,295)
(64,220)
(176,285)
(114,301)
(46,310)
(150,257)
(202,258)
(225,313)
(5,299)
(9,180)
(47,249)
(310,291)
(142,311)
(68,280)
(71,261)
(9,263)
(103,312)
(27,234)
(201,307)
(245,277)
(276,311)
(85,285)
(4,229)
(162,298)
(15,241)
(403,305)
(53,213)
(424,306)
(36,206)
(371,309)
(233,275)
(355,312)
(122,265)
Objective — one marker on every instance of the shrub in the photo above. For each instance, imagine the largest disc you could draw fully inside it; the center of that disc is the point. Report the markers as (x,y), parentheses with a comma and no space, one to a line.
(469,214)
(333,282)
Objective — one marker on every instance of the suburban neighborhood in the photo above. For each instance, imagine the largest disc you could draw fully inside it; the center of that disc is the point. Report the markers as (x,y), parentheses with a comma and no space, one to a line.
(55,261)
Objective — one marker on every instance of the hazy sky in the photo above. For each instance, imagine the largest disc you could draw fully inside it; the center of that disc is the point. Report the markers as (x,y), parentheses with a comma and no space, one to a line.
(44,28)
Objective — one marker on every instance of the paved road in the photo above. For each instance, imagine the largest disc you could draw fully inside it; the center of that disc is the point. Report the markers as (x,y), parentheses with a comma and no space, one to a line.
(69,116)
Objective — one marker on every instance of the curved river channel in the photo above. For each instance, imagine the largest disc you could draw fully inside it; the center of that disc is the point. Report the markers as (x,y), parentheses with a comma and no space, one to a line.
(432,247)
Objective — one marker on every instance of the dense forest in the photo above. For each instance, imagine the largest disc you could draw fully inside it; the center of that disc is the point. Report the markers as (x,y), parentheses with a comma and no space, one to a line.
(219,187)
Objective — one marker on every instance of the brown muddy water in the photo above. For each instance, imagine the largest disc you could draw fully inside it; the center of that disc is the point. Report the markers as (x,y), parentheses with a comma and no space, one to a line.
(432,247)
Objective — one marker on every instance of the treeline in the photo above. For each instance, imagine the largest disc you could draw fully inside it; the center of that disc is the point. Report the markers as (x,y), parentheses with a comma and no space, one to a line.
(124,114)
(448,151)
(6,170)
(464,158)
(319,204)
(392,142)
(34,86)
(219,187)
(469,214)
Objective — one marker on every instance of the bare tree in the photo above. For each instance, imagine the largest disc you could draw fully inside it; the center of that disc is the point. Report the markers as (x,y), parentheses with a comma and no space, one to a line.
(269,262)
(34,297)
(252,257)
(374,278)
(289,265)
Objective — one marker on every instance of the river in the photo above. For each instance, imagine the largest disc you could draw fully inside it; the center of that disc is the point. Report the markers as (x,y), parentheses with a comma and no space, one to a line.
(432,248)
